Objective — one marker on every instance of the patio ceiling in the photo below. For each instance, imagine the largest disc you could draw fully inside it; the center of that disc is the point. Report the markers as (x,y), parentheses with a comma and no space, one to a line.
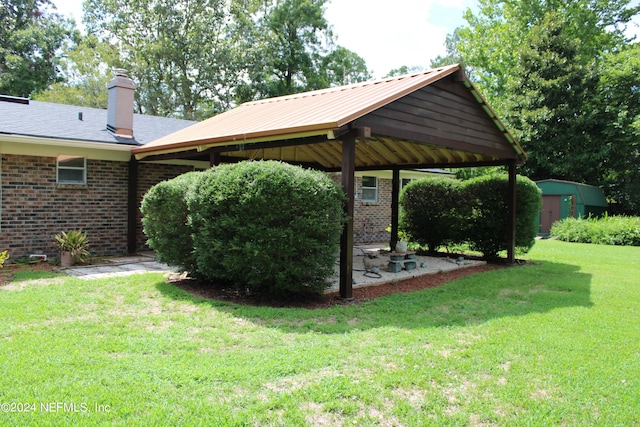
(433,118)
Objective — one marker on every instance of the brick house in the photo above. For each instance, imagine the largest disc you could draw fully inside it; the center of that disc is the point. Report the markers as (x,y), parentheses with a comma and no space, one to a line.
(64,167)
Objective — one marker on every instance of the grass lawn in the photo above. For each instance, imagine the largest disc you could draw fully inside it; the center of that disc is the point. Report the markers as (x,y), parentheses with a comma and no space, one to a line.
(554,343)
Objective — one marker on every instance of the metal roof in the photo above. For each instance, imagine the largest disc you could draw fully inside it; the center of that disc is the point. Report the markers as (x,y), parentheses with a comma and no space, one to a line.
(324,114)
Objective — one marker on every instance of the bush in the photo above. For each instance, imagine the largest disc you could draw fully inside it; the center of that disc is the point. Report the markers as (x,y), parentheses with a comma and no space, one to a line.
(267,227)
(608,230)
(431,211)
(166,221)
(485,229)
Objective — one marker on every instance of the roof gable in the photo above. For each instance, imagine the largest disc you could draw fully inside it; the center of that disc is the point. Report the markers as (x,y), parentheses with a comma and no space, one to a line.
(432,118)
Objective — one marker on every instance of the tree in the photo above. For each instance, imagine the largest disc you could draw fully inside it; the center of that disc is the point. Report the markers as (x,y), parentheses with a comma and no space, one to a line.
(619,101)
(31,37)
(340,66)
(291,49)
(87,69)
(181,53)
(490,43)
(550,107)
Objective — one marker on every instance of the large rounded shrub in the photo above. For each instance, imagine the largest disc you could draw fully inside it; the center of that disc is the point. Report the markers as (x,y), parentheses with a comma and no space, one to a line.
(431,211)
(486,227)
(266,227)
(166,221)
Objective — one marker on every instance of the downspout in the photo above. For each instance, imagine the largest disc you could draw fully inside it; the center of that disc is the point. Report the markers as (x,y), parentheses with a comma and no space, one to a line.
(511,220)
(132,206)
(395,208)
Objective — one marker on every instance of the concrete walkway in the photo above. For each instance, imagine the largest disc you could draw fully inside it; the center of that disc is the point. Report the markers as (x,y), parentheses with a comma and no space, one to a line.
(144,262)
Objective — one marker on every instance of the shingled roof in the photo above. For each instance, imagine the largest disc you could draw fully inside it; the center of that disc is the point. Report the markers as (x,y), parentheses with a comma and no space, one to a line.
(68,122)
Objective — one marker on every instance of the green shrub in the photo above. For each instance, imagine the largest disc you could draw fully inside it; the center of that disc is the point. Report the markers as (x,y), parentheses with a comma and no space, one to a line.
(266,227)
(486,228)
(607,230)
(166,221)
(431,211)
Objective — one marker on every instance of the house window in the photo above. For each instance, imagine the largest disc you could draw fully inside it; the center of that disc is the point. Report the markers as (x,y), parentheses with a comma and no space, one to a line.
(72,170)
(404,182)
(369,189)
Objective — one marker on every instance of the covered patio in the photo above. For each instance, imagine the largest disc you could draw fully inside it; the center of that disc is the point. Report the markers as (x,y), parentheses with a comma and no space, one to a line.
(432,119)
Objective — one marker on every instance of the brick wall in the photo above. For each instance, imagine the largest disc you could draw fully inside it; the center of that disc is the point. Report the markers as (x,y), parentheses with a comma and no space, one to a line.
(149,174)
(34,207)
(371,218)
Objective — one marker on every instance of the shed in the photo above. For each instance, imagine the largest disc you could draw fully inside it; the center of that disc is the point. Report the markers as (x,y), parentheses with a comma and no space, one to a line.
(432,119)
(563,199)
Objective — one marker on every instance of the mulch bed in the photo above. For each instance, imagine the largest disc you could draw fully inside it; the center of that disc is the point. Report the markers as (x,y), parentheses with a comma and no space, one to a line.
(360,294)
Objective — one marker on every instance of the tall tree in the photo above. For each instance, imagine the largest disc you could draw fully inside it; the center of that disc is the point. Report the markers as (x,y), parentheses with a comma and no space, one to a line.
(31,38)
(180,52)
(494,35)
(618,99)
(291,49)
(87,69)
(550,106)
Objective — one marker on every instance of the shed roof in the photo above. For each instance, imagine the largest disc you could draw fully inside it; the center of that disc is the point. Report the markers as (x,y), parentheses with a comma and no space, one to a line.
(589,195)
(436,117)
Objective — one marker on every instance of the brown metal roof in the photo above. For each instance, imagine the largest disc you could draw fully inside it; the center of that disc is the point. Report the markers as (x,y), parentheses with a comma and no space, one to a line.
(321,113)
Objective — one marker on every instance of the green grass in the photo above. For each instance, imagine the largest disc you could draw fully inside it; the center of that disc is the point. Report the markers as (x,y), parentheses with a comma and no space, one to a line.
(553,343)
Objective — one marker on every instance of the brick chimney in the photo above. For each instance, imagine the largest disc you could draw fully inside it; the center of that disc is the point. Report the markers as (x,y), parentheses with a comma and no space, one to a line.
(120,104)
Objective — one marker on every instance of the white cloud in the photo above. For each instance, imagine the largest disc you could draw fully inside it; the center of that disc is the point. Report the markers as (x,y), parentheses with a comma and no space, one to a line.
(390,34)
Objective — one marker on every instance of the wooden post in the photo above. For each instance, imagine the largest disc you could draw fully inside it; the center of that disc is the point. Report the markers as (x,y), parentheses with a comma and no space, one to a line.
(346,240)
(511,221)
(214,159)
(395,208)
(132,207)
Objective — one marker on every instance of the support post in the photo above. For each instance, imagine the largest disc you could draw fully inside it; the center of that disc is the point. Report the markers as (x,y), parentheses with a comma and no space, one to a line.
(214,159)
(346,240)
(511,222)
(395,208)
(132,207)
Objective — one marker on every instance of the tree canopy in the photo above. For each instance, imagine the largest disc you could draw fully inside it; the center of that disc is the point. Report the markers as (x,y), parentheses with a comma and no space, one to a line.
(195,59)
(564,77)
(31,39)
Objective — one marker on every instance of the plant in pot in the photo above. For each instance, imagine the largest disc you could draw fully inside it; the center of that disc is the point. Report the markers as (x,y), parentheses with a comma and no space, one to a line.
(73,245)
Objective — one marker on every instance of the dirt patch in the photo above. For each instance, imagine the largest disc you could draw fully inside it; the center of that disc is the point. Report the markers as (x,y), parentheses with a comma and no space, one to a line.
(362,294)
(8,271)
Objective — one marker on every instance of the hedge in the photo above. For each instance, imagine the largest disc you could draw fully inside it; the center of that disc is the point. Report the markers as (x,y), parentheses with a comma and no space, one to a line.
(608,230)
(432,210)
(166,221)
(437,212)
(262,227)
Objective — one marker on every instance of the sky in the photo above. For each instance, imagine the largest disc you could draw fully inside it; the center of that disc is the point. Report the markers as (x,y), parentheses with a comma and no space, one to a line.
(386,33)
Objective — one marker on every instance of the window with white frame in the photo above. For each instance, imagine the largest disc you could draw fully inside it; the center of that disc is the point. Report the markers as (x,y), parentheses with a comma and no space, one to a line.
(369,189)
(72,170)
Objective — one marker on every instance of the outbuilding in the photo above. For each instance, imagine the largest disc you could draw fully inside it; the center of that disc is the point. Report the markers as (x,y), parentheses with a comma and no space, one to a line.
(563,199)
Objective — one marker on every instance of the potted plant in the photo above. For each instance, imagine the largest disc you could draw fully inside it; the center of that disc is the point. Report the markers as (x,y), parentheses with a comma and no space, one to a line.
(73,247)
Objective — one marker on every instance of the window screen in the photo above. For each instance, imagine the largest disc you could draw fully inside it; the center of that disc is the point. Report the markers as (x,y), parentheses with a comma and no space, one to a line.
(369,189)
(72,170)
